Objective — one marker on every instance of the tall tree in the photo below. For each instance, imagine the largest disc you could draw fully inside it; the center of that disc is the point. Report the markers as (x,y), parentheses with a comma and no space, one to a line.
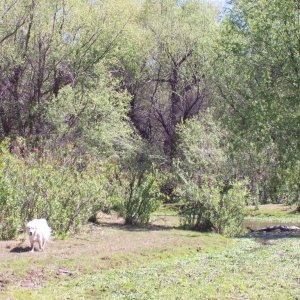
(168,79)
(47,45)
(257,71)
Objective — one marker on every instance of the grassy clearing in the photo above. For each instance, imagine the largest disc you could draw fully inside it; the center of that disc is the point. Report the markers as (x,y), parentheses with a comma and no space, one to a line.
(251,270)
(167,210)
(267,212)
(97,250)
(113,261)
(273,213)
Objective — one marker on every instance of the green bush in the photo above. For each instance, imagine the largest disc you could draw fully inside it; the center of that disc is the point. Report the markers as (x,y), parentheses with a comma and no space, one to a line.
(141,198)
(290,189)
(211,196)
(135,189)
(214,206)
(47,187)
(10,217)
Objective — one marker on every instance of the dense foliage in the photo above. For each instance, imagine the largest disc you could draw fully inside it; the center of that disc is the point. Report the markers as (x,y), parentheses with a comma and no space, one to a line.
(124,104)
(257,81)
(211,197)
(52,187)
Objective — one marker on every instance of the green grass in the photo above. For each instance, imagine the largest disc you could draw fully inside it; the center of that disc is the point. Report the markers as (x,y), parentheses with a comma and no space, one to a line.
(166,210)
(273,213)
(250,270)
(177,264)
(19,269)
(267,212)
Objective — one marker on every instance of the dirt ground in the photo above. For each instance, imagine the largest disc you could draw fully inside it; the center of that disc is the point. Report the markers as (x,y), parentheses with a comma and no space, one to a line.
(109,244)
(98,239)
(96,247)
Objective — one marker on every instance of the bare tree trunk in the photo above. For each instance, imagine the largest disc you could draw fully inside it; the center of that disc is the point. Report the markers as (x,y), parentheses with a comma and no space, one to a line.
(275,227)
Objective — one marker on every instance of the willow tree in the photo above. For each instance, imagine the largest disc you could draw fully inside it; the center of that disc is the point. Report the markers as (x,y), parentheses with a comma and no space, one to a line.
(166,76)
(257,71)
(50,47)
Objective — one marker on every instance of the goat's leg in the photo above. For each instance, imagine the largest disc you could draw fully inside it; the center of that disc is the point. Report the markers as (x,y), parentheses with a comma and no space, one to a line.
(32,246)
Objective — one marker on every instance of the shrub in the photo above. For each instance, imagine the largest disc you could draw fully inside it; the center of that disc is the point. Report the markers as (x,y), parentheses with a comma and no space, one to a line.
(214,206)
(46,187)
(211,197)
(290,189)
(136,190)
(141,198)
(10,217)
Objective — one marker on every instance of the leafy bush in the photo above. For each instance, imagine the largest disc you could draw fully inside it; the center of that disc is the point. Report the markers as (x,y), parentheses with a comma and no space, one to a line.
(45,187)
(95,118)
(10,217)
(202,146)
(290,190)
(141,198)
(214,206)
(211,197)
(135,189)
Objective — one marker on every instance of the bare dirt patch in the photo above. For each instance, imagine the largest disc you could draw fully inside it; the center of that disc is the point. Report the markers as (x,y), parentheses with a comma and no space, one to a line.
(33,279)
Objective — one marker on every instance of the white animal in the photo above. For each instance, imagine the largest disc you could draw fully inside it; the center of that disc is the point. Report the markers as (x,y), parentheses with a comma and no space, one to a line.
(38,231)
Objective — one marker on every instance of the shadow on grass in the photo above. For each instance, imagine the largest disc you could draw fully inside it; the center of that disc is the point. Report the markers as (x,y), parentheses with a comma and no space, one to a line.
(294,212)
(149,227)
(265,237)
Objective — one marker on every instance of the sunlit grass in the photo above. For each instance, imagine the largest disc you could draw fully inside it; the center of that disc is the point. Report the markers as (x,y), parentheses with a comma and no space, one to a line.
(195,265)
(273,213)
(251,270)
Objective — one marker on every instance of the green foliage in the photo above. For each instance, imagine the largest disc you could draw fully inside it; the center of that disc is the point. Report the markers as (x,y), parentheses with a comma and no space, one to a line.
(63,193)
(46,46)
(290,190)
(161,64)
(210,199)
(142,197)
(214,206)
(10,217)
(95,117)
(136,189)
(201,140)
(261,98)
(96,77)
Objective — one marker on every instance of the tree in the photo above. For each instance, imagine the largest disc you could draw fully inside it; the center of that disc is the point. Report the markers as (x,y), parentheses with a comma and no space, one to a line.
(256,69)
(166,78)
(46,46)
(211,198)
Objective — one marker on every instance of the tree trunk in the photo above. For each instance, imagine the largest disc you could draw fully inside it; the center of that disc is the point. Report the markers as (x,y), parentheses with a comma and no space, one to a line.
(275,227)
